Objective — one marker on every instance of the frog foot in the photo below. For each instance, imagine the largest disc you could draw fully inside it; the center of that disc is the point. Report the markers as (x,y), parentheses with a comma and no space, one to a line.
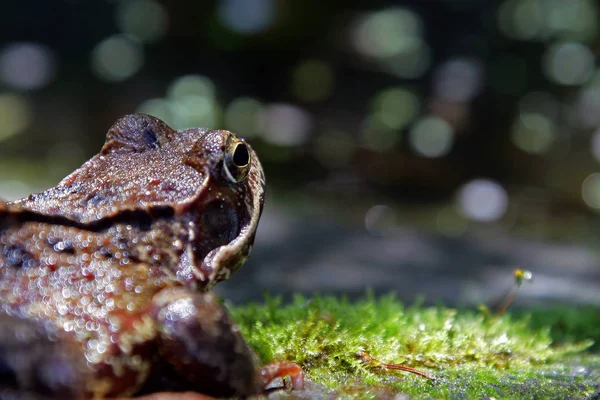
(275,370)
(37,363)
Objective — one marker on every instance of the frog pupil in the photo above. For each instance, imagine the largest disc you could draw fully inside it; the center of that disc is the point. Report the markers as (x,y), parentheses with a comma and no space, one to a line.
(241,157)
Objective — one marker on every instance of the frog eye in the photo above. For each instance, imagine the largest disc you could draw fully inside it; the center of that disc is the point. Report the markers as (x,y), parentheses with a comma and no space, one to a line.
(236,162)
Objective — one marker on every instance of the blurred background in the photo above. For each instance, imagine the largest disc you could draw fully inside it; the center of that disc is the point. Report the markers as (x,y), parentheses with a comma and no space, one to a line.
(422,147)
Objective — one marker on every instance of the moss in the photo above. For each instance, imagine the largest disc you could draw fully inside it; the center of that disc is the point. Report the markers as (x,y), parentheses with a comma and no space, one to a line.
(471,353)
(568,325)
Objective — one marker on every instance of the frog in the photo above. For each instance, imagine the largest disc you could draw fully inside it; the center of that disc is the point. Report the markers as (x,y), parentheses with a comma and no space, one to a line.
(106,278)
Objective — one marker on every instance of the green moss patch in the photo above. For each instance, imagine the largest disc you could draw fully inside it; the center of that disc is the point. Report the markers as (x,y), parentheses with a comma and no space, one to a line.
(472,354)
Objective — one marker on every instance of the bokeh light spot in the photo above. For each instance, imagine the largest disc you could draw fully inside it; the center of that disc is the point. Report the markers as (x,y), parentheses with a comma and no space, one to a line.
(571,20)
(387,33)
(334,148)
(15,115)
(542,20)
(26,66)
(380,219)
(247,16)
(191,85)
(196,111)
(312,80)
(458,80)
(528,19)
(586,108)
(596,144)
(412,62)
(378,136)
(395,107)
(146,20)
(117,58)
(543,103)
(393,37)
(192,100)
(245,116)
(569,63)
(533,133)
(505,18)
(431,137)
(482,200)
(287,125)
(159,108)
(590,191)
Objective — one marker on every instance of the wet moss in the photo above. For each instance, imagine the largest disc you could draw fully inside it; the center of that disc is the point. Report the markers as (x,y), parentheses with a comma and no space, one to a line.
(472,354)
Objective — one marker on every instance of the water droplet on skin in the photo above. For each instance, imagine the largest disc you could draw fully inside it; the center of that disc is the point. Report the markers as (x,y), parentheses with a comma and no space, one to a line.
(92,344)
(68,326)
(93,356)
(101,348)
(62,309)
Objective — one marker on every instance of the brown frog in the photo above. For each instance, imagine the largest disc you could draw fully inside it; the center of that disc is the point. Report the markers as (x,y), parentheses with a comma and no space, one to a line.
(104,278)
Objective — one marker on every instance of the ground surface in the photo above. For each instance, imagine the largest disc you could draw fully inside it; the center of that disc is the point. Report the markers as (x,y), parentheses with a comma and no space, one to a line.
(300,252)
(472,354)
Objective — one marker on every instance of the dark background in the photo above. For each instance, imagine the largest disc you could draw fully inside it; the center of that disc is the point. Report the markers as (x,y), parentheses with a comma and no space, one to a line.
(422,147)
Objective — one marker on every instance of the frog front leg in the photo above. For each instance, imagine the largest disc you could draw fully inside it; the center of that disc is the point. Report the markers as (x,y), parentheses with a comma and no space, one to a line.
(37,361)
(198,339)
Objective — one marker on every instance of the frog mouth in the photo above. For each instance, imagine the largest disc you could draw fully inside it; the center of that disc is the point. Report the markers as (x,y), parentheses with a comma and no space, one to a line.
(248,201)
(220,222)
(221,237)
(222,234)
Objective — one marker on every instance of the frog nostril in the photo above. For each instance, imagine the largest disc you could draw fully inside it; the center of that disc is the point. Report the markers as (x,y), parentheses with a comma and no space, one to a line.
(137,133)
(151,138)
